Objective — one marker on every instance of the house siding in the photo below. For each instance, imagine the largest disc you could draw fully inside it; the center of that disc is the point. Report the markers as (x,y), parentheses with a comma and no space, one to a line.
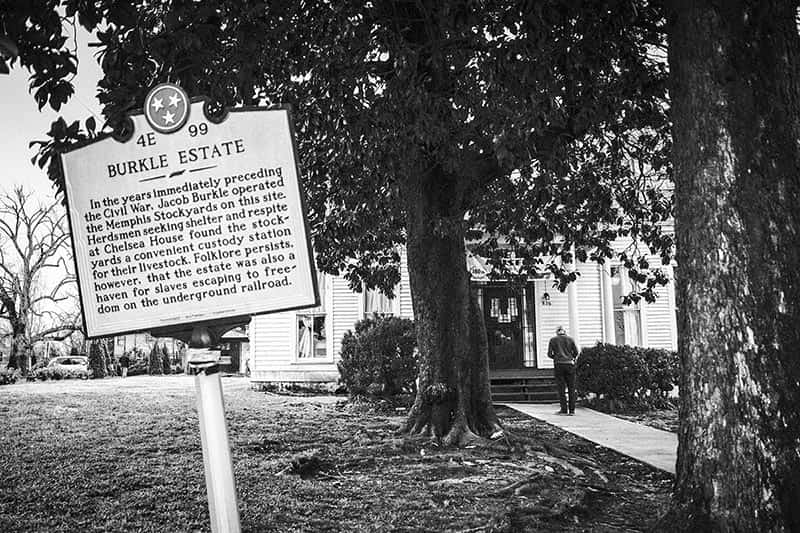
(348,309)
(404,293)
(273,344)
(548,317)
(590,304)
(661,327)
(271,339)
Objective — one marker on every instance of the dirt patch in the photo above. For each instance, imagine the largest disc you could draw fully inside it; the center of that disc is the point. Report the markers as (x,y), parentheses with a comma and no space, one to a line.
(123,455)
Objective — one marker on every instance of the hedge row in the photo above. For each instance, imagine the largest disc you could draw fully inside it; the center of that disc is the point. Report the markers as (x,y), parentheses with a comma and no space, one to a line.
(627,375)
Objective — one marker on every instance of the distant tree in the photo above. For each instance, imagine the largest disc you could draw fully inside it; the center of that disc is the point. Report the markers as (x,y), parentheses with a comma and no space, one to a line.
(155,361)
(97,360)
(108,355)
(34,277)
(166,364)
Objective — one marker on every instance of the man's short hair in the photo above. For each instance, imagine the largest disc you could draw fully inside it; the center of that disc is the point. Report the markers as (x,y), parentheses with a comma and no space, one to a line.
(560,330)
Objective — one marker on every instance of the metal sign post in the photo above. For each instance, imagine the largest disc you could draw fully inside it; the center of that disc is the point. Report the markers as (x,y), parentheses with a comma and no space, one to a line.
(220,483)
(184,223)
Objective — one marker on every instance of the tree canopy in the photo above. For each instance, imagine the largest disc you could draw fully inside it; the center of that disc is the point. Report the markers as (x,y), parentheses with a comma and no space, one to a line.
(551,114)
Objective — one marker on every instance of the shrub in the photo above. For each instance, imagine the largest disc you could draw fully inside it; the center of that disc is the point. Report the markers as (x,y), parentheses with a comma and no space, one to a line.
(627,375)
(155,364)
(139,362)
(42,374)
(165,362)
(97,362)
(380,356)
(663,372)
(8,376)
(614,373)
(139,368)
(75,374)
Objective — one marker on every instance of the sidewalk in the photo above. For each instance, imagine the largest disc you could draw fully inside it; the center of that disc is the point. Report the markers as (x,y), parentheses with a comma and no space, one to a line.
(652,446)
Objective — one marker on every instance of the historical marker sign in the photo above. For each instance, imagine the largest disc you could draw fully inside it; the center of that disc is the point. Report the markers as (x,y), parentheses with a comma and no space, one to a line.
(188,222)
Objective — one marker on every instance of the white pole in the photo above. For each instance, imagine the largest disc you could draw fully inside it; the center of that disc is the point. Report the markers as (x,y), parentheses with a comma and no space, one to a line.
(220,483)
(572,298)
(608,305)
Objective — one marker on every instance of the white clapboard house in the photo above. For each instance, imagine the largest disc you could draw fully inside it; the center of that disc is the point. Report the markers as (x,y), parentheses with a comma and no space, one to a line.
(302,347)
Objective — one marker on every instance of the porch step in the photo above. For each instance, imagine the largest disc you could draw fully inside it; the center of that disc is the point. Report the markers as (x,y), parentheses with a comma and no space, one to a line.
(524,389)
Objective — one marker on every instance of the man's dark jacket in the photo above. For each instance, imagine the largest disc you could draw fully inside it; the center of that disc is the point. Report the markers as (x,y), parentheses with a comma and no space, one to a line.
(562,350)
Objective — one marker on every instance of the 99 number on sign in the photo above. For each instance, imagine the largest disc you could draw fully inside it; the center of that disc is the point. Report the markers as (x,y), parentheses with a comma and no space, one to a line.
(198,129)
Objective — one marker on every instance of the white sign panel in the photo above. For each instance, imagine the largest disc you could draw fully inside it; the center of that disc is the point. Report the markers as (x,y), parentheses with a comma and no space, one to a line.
(198,224)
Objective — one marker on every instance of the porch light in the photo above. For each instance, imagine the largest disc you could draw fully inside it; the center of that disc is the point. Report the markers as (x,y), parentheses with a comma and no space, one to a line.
(546,299)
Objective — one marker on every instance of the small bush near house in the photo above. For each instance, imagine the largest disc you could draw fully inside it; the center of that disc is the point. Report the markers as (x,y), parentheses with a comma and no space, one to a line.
(626,376)
(75,374)
(8,376)
(44,374)
(663,371)
(380,357)
(615,374)
(138,368)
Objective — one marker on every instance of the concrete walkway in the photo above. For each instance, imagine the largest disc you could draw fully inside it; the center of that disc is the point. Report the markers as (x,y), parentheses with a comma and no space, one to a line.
(649,445)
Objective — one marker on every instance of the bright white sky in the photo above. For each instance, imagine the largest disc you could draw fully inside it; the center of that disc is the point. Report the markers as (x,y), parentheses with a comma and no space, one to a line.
(21,121)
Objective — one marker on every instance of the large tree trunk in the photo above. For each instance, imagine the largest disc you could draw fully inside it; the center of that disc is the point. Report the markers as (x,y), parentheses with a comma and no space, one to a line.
(19,357)
(450,331)
(735,109)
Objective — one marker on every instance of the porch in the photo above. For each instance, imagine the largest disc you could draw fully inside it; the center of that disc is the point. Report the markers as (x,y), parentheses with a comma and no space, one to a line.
(523,385)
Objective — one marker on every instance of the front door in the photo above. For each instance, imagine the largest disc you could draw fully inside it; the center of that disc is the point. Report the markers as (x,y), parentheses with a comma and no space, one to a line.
(502,312)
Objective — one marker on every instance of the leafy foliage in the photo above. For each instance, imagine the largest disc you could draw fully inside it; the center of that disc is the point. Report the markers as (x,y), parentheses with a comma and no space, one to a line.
(97,362)
(46,373)
(663,372)
(155,361)
(551,116)
(8,376)
(627,374)
(380,356)
(166,364)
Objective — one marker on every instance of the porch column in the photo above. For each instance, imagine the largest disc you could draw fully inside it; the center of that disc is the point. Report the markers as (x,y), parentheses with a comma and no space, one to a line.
(572,295)
(608,304)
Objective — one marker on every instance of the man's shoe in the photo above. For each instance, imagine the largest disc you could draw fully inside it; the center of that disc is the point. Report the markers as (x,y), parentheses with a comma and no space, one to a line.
(571,413)
(561,412)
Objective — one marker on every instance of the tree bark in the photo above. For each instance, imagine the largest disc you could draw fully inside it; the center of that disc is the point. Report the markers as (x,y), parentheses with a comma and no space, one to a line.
(19,357)
(451,335)
(735,98)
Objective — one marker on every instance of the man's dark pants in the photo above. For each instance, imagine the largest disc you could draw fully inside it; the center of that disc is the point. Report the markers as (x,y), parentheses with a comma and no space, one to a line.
(565,377)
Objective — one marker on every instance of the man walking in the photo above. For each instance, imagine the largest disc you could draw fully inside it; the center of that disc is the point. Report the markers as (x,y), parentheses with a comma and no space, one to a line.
(563,351)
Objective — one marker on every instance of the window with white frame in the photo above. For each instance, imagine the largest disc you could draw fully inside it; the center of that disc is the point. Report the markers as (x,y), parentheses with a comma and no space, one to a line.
(627,318)
(377,303)
(311,328)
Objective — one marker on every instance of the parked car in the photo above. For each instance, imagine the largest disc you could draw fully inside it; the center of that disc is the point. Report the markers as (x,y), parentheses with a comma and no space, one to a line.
(70,362)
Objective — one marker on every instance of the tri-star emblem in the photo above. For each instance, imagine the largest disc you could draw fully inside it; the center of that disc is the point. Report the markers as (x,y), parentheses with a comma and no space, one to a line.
(166,108)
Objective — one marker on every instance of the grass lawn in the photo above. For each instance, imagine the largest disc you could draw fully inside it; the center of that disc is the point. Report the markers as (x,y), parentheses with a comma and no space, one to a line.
(125,455)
